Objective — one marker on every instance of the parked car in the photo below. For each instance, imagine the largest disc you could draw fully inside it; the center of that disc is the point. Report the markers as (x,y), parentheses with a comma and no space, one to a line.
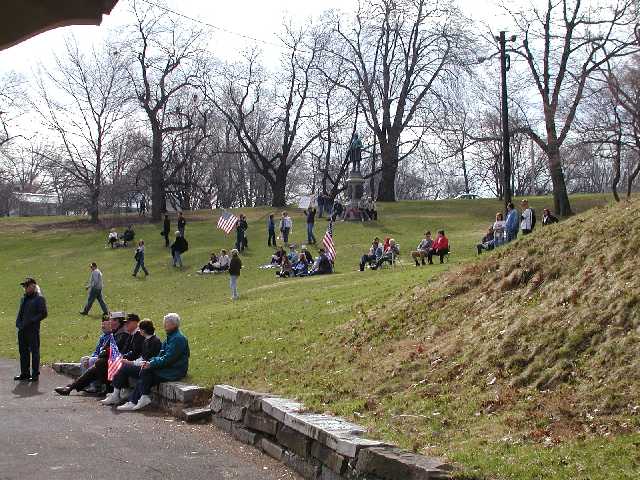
(468,196)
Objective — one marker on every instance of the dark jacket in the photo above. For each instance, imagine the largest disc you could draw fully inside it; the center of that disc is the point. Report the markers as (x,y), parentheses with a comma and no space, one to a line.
(180,245)
(123,340)
(324,264)
(311,215)
(234,266)
(134,346)
(181,223)
(271,225)
(172,362)
(33,309)
(166,227)
(242,226)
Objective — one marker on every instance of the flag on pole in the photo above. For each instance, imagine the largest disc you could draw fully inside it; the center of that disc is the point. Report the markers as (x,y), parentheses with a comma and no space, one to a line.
(114,362)
(327,241)
(227,222)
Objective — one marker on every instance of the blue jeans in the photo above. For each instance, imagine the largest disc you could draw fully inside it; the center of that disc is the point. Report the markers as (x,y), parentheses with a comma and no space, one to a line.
(127,371)
(95,294)
(233,283)
(144,384)
(285,235)
(310,236)
(512,235)
(140,265)
(177,259)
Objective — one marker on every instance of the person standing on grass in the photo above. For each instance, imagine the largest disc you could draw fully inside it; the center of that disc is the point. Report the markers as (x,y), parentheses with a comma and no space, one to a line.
(235,265)
(310,213)
(33,309)
(166,228)
(241,235)
(95,291)
(182,223)
(139,257)
(528,218)
(286,224)
(271,231)
(179,246)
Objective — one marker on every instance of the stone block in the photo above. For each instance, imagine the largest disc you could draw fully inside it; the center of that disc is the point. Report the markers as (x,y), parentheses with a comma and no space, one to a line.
(72,370)
(328,474)
(261,423)
(226,391)
(196,414)
(294,441)
(279,407)
(272,449)
(250,399)
(243,435)
(393,463)
(348,445)
(317,425)
(222,423)
(231,411)
(307,467)
(330,459)
(216,403)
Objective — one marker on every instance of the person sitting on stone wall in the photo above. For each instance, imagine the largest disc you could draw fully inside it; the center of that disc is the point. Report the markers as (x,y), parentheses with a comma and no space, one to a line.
(170,365)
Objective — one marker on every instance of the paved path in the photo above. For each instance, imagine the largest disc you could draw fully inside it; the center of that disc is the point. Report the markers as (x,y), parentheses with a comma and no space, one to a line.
(45,436)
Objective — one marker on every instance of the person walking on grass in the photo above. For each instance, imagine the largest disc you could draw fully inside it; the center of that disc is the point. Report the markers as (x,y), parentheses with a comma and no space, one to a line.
(179,246)
(235,265)
(310,213)
(33,309)
(139,258)
(95,290)
(166,229)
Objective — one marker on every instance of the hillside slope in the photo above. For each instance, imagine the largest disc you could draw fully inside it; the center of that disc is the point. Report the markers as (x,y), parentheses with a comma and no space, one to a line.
(536,343)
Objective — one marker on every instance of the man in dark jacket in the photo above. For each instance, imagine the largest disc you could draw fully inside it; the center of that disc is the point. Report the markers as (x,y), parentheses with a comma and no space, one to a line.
(166,228)
(178,247)
(123,329)
(170,365)
(33,309)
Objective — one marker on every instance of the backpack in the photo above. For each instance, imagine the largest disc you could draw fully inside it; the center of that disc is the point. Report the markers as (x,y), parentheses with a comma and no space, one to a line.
(533,219)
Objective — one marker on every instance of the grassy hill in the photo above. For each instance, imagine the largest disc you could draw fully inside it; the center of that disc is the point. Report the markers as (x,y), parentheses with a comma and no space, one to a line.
(520,365)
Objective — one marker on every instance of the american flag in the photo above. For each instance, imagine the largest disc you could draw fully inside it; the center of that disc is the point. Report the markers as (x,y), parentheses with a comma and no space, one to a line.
(114,361)
(327,241)
(227,222)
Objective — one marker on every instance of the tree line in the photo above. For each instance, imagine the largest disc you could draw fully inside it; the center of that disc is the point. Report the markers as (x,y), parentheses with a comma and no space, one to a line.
(154,112)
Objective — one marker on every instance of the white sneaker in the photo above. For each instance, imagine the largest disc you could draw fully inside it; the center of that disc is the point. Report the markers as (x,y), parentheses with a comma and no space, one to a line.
(124,393)
(127,407)
(143,402)
(112,399)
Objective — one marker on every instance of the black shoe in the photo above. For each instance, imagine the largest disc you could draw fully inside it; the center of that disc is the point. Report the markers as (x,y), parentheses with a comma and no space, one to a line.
(64,391)
(34,378)
(21,378)
(83,313)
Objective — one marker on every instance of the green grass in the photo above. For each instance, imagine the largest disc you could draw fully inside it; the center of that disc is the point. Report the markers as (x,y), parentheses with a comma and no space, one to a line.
(284,335)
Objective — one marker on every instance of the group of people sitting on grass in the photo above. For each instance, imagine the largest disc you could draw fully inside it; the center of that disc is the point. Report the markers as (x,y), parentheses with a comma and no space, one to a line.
(115,240)
(145,359)
(217,263)
(299,263)
(505,230)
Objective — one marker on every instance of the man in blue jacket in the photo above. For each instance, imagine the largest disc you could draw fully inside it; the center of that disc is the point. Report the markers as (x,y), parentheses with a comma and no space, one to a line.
(169,366)
(512,223)
(33,309)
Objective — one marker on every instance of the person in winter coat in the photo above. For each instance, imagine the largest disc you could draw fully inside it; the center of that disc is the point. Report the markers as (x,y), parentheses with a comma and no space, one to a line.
(170,365)
(166,229)
(235,265)
(33,309)
(241,233)
(440,247)
(179,246)
(527,219)
(487,242)
(512,222)
(139,258)
(548,218)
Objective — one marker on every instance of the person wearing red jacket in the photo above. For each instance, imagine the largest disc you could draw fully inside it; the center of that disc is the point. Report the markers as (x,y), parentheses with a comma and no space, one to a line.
(440,247)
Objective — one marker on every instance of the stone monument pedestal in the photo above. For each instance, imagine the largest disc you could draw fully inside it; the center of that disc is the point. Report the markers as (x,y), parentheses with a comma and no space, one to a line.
(355,191)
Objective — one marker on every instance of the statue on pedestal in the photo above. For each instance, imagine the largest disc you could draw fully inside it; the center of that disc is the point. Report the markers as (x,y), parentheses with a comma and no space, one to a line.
(355,153)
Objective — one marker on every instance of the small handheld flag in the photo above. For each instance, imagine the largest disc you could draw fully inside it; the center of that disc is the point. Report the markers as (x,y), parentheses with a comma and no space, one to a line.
(227,222)
(327,241)
(114,362)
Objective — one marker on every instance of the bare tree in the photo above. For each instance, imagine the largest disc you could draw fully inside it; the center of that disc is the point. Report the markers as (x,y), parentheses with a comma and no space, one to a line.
(563,45)
(168,58)
(395,52)
(83,101)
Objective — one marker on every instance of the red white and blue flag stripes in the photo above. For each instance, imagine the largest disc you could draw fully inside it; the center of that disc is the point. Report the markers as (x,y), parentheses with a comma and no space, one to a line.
(327,241)
(227,222)
(114,362)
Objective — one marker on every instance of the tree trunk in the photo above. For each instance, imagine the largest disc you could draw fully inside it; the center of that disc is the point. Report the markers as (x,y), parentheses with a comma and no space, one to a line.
(560,198)
(387,185)
(279,188)
(94,205)
(158,201)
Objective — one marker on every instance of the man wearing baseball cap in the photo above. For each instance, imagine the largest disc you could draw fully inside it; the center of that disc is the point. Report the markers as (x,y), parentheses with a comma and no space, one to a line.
(33,309)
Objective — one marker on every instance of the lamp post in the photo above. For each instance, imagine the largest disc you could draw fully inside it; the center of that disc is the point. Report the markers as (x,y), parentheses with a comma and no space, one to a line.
(505,63)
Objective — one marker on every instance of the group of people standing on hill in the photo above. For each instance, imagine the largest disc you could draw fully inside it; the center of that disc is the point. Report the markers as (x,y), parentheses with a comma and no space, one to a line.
(505,230)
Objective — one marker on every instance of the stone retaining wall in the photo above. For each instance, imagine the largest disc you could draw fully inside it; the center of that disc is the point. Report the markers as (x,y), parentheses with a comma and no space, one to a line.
(319,447)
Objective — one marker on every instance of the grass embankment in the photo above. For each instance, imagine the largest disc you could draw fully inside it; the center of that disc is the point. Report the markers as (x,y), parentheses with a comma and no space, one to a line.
(416,368)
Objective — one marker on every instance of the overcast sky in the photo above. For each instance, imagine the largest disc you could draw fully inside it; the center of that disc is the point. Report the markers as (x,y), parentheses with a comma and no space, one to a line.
(255,18)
